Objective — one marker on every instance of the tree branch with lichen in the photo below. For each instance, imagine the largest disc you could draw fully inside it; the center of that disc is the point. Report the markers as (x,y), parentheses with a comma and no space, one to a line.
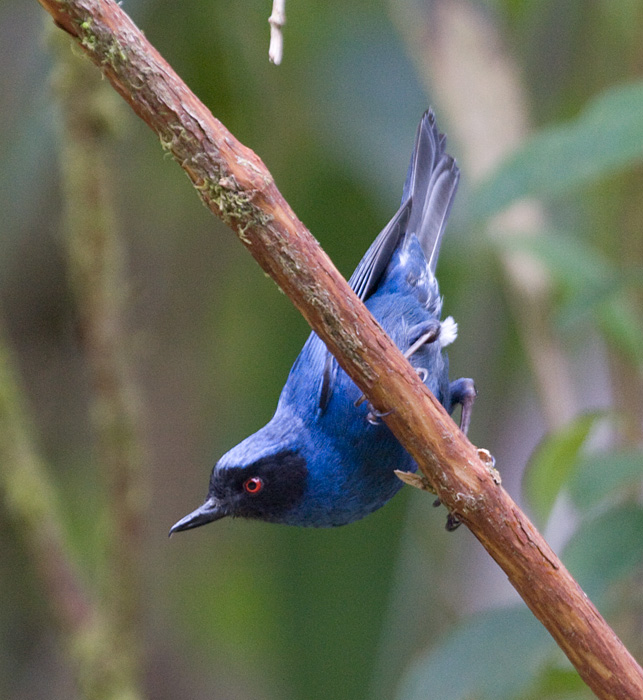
(233,182)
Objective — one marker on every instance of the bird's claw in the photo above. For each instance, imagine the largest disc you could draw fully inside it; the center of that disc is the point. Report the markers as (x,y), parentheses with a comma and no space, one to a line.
(373,416)
(463,391)
(419,481)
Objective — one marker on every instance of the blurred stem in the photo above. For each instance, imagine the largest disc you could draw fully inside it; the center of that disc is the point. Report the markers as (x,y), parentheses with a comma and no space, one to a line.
(460,55)
(32,503)
(89,109)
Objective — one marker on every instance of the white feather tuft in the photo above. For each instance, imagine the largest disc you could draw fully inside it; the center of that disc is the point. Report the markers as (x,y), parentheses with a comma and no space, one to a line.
(448,331)
(404,256)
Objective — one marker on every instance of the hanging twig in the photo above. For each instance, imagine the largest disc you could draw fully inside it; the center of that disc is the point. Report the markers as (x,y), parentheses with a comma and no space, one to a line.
(235,185)
(277,20)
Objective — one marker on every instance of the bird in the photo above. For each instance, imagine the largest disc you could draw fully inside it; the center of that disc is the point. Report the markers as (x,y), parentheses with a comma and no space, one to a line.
(326,458)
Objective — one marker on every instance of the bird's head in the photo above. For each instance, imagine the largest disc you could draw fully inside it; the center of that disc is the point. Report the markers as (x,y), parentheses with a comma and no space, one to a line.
(266,489)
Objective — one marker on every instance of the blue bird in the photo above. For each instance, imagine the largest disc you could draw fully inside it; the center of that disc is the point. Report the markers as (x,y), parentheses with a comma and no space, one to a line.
(325,458)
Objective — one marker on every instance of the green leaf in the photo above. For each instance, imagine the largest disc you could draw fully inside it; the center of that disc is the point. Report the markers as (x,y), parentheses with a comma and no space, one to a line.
(606,136)
(597,476)
(553,463)
(494,655)
(606,549)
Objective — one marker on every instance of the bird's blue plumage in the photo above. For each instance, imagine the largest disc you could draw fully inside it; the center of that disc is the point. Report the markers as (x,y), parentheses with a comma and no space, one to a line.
(323,460)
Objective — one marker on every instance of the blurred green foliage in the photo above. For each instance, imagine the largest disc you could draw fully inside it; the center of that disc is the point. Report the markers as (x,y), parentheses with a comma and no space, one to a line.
(392,606)
(606,136)
(552,463)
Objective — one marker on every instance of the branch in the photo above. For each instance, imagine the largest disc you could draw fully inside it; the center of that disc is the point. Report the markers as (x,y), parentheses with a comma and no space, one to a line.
(234,183)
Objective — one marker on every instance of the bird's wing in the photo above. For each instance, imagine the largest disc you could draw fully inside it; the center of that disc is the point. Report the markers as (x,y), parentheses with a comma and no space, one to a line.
(370,268)
(364,281)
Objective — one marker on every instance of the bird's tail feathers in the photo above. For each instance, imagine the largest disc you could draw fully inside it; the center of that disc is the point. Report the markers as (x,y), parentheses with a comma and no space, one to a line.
(431,183)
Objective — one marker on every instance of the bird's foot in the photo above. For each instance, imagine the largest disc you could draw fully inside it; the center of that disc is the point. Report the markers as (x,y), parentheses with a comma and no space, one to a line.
(419,481)
(453,522)
(374,416)
(463,391)
(421,334)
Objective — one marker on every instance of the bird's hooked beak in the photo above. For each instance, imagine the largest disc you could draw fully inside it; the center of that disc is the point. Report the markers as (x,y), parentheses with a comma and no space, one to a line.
(210,511)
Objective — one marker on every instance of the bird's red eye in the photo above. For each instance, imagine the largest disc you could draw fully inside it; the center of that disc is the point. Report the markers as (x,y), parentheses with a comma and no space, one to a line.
(253,485)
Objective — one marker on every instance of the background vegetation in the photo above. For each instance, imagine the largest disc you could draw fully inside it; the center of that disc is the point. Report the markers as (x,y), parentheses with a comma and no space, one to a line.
(539,101)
